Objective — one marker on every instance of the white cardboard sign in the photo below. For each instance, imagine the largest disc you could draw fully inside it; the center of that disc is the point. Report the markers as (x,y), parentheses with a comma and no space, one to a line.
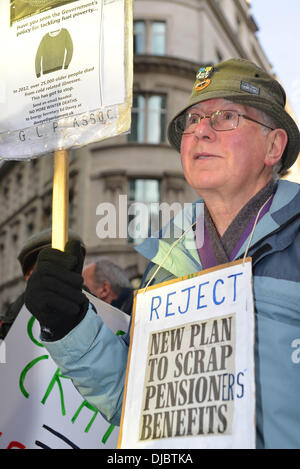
(66,72)
(39,408)
(190,376)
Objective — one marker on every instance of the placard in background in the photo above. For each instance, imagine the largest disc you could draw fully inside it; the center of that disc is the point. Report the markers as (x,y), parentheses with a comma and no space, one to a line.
(67,74)
(39,407)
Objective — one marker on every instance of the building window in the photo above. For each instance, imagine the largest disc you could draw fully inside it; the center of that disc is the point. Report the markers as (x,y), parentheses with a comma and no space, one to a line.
(158,37)
(46,218)
(148,123)
(238,24)
(219,56)
(30,218)
(2,259)
(72,205)
(149,37)
(143,209)
(139,37)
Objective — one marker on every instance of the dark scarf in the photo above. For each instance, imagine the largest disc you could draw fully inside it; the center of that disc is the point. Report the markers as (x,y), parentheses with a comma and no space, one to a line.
(217,250)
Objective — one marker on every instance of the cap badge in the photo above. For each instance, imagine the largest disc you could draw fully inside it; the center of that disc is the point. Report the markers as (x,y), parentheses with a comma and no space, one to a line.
(203,77)
(205,72)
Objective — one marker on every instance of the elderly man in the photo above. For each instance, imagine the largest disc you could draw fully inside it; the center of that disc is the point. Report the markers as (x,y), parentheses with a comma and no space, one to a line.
(109,282)
(232,134)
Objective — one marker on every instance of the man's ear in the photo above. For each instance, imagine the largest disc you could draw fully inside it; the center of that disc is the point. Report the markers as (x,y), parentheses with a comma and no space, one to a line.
(104,291)
(276,143)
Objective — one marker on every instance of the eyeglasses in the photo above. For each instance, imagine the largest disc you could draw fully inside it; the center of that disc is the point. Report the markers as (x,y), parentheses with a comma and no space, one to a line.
(220,121)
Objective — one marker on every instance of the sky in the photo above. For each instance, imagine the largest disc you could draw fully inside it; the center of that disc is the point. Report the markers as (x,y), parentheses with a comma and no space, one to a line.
(279,36)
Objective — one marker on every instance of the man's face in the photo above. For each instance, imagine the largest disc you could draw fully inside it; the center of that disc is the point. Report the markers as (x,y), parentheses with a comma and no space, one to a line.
(102,290)
(88,278)
(228,162)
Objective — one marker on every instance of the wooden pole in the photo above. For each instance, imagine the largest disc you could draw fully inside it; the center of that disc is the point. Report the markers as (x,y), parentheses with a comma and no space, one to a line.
(60,200)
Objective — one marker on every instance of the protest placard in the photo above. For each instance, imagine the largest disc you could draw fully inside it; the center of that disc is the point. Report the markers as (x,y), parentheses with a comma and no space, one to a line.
(66,82)
(190,375)
(39,407)
(67,74)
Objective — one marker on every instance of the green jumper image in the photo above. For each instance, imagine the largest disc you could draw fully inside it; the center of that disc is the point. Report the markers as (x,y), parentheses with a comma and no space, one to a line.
(54,52)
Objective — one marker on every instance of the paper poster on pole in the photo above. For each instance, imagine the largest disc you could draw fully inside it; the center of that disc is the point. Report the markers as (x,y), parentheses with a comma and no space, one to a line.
(66,74)
(39,407)
(190,376)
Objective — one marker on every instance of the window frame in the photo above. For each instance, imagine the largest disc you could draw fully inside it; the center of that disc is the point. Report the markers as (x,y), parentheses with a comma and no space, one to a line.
(130,201)
(148,35)
(145,112)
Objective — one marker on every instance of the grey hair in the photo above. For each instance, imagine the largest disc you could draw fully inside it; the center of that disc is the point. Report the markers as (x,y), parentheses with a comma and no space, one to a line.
(106,270)
(276,169)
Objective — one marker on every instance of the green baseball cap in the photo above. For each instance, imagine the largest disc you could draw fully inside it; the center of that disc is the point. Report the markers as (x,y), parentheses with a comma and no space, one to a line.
(33,245)
(242,81)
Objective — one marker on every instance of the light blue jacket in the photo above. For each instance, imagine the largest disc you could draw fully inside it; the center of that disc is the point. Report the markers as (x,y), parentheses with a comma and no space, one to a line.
(95,358)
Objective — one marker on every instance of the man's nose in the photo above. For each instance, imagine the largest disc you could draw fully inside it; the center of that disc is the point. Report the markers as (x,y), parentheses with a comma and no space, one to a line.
(203,128)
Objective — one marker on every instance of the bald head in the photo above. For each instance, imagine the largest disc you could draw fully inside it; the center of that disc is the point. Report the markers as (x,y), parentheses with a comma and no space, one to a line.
(88,277)
(105,279)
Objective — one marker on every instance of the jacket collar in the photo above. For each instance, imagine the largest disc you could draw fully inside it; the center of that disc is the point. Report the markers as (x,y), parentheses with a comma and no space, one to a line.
(185,259)
(284,207)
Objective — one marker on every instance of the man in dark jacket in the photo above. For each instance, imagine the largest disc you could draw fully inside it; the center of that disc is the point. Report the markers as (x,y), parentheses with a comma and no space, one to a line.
(27,259)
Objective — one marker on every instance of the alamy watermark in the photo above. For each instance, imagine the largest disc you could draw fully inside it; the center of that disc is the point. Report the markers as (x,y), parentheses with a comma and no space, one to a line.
(2,351)
(138,220)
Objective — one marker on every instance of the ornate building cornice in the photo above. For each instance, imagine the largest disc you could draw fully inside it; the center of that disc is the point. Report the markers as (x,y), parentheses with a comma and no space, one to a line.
(147,63)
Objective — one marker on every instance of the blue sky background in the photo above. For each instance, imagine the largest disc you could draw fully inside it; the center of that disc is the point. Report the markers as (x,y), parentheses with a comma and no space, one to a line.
(279,36)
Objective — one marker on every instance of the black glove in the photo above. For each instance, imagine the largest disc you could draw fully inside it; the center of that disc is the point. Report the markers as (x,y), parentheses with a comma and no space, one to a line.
(54,290)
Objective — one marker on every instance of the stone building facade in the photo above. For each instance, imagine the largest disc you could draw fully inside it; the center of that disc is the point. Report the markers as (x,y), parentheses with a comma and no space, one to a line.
(172,38)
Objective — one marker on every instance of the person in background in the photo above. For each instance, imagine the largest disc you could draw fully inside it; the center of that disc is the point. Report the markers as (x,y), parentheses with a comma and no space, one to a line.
(27,259)
(109,282)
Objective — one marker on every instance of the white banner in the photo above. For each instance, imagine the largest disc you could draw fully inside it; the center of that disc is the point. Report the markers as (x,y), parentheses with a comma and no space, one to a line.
(39,407)
(190,376)
(67,75)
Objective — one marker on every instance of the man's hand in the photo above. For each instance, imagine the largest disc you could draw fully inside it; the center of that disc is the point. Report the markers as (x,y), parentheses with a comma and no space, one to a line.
(54,290)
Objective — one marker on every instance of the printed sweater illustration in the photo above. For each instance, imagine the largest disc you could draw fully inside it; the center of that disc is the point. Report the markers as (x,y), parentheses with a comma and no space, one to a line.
(54,52)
